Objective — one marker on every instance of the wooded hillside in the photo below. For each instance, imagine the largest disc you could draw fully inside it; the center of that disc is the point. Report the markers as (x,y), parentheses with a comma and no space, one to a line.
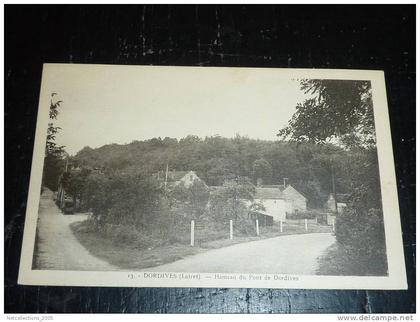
(307,166)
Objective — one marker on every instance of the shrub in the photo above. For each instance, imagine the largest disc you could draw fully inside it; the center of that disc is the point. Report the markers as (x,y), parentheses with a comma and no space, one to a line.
(363,237)
(125,199)
(302,215)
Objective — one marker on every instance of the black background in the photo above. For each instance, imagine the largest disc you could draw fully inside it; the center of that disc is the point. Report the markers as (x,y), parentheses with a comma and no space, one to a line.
(323,36)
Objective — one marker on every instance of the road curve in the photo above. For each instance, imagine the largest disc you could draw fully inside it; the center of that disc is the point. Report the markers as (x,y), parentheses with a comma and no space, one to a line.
(57,247)
(291,254)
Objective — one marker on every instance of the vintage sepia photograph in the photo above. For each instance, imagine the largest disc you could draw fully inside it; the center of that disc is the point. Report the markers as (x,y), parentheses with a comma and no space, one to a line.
(212,175)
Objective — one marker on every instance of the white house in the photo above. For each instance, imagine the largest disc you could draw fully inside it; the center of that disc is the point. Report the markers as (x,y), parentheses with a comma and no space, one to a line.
(279,200)
(185,178)
(273,201)
(295,201)
(276,199)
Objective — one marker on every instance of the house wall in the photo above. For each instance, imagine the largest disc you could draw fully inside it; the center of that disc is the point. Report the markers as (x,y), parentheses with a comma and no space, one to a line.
(275,207)
(289,206)
(295,200)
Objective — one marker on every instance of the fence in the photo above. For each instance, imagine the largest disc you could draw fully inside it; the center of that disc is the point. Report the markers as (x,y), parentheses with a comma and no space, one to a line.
(200,231)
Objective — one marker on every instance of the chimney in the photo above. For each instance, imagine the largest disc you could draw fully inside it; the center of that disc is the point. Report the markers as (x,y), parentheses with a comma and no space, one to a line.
(285,184)
(259,182)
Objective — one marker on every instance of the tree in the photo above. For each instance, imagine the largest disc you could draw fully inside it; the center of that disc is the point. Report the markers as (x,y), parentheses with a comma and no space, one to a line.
(190,201)
(125,200)
(338,109)
(341,112)
(311,189)
(217,170)
(365,241)
(217,159)
(53,161)
(228,202)
(257,206)
(190,139)
(262,170)
(73,181)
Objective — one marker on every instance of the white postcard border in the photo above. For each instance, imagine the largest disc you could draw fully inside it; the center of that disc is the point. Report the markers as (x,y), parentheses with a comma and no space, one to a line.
(397,274)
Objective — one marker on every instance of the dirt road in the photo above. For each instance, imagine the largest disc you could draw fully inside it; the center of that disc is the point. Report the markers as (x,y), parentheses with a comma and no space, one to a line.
(292,254)
(58,248)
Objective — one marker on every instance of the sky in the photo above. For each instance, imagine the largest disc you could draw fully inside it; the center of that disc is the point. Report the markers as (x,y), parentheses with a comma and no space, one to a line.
(113,104)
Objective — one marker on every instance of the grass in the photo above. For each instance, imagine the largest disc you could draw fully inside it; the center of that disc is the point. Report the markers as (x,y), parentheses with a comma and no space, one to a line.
(128,255)
(337,261)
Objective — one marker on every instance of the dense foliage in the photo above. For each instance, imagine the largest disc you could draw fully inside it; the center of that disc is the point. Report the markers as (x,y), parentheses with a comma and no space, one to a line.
(124,199)
(188,203)
(217,159)
(337,109)
(329,143)
(365,241)
(53,161)
(342,112)
(119,183)
(140,208)
(226,203)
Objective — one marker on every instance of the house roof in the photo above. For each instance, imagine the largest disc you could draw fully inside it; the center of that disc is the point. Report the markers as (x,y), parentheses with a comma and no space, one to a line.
(264,192)
(172,175)
(176,175)
(268,193)
(277,186)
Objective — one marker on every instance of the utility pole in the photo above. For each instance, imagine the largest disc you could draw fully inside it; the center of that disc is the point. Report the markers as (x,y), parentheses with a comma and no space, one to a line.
(333,187)
(166,176)
(60,190)
(67,163)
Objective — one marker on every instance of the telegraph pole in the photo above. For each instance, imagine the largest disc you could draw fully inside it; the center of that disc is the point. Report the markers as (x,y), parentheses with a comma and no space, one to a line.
(333,187)
(166,176)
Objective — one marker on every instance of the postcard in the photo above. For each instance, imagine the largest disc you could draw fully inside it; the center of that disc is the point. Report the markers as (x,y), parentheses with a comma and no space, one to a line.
(152,176)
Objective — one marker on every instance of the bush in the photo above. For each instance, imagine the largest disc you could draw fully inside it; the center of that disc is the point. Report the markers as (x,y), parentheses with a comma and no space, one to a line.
(125,199)
(363,237)
(244,227)
(302,215)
